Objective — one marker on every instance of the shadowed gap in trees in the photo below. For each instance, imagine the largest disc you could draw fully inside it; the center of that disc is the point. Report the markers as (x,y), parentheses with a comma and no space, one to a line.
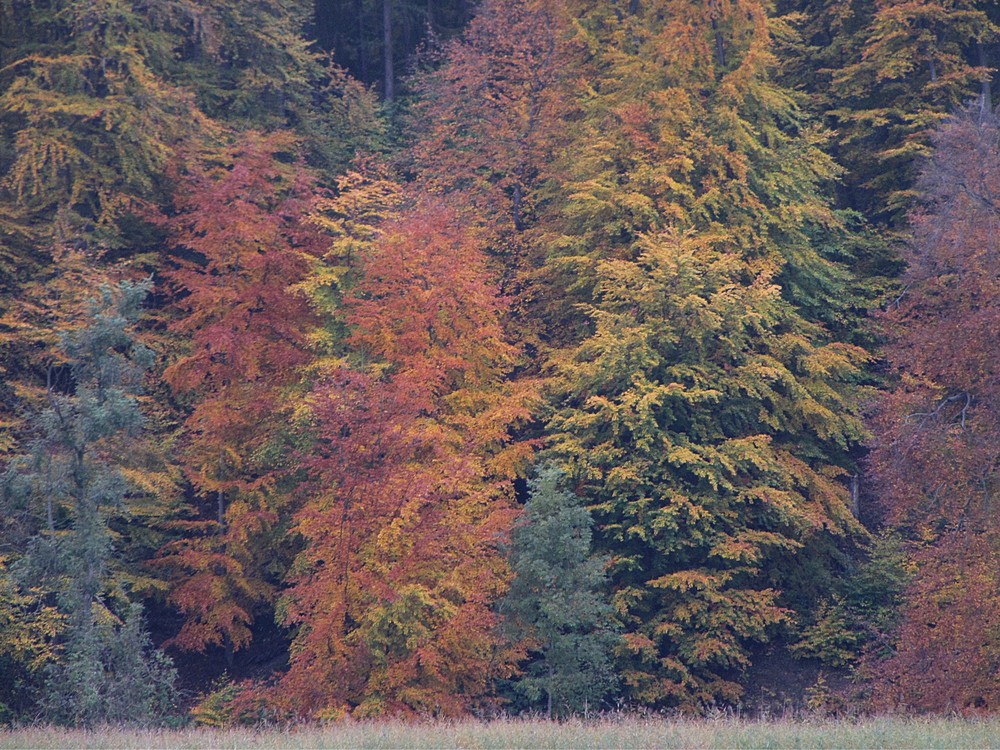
(373,38)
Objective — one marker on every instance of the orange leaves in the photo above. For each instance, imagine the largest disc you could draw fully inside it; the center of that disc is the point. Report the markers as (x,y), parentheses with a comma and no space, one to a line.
(426,301)
(403,513)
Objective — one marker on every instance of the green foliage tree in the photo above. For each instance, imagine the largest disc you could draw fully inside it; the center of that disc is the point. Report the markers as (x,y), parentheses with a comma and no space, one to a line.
(558,603)
(860,613)
(251,66)
(887,73)
(75,479)
(707,411)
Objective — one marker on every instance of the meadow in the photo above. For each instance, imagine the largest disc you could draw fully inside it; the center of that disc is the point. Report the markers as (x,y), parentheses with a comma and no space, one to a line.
(623,733)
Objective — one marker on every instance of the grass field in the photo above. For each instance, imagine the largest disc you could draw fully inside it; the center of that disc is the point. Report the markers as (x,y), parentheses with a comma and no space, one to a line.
(626,733)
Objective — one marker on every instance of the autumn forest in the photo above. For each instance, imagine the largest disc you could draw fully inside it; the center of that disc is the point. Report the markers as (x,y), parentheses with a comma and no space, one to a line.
(401,358)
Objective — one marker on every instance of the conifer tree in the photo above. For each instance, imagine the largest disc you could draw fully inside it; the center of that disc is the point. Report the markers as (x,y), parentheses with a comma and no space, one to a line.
(75,480)
(557,602)
(88,120)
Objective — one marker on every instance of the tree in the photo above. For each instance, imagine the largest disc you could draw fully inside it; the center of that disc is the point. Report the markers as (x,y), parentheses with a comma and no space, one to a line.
(485,121)
(242,241)
(88,124)
(107,670)
(374,38)
(252,66)
(409,491)
(88,120)
(486,127)
(557,602)
(888,73)
(935,452)
(704,410)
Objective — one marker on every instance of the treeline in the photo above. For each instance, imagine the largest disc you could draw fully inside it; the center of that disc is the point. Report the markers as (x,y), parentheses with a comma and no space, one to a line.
(534,355)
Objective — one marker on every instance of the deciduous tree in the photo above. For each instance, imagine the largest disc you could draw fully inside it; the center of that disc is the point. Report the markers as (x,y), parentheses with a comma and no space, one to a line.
(935,453)
(410,493)
(705,411)
(242,242)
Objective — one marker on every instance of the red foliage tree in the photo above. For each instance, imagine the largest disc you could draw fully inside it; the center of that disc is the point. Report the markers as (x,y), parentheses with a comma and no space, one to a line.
(410,487)
(488,124)
(936,456)
(489,117)
(242,242)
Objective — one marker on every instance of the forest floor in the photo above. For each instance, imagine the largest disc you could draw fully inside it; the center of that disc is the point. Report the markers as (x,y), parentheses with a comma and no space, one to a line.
(574,735)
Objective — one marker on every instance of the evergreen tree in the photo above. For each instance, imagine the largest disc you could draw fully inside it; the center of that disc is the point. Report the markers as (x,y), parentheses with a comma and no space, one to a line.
(75,479)
(556,601)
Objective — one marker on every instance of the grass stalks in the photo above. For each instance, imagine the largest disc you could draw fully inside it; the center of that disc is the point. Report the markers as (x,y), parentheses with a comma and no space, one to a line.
(573,735)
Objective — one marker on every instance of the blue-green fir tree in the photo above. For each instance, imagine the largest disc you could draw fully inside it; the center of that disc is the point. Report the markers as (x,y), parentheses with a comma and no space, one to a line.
(71,481)
(557,602)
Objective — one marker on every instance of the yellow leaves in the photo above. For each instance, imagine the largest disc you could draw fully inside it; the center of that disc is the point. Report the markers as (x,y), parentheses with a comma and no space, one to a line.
(834,360)
(29,628)
(7,440)
(690,580)
(158,484)
(397,536)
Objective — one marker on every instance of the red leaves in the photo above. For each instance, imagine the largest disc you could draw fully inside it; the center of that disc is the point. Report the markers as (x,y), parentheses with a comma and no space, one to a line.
(939,429)
(948,653)
(490,115)
(938,446)
(242,242)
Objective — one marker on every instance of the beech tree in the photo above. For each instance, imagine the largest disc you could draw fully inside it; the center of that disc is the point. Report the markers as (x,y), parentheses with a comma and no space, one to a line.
(707,413)
(887,73)
(935,452)
(242,242)
(409,495)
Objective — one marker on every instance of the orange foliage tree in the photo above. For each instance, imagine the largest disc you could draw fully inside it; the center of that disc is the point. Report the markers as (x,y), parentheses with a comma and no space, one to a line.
(410,486)
(486,127)
(241,242)
(937,451)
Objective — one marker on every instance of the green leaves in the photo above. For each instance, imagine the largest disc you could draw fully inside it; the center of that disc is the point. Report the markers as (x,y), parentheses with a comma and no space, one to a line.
(557,602)
(107,670)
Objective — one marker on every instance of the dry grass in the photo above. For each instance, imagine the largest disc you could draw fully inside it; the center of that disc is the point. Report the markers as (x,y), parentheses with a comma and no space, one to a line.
(624,733)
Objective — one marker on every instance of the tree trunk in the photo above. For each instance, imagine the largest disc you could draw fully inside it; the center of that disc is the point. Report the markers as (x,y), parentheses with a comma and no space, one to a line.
(720,49)
(986,94)
(548,709)
(856,495)
(388,89)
